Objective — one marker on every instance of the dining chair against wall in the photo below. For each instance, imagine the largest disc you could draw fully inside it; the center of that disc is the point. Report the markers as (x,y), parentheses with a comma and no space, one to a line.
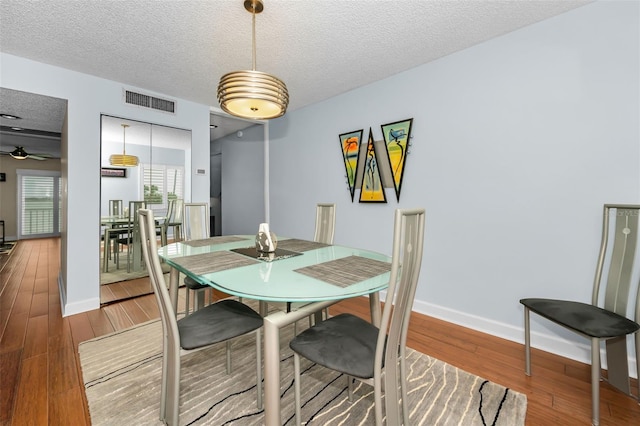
(195,226)
(360,350)
(216,323)
(325,223)
(132,236)
(605,319)
(324,232)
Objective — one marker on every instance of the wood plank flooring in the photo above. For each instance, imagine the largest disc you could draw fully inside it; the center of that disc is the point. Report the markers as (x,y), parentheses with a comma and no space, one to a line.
(40,376)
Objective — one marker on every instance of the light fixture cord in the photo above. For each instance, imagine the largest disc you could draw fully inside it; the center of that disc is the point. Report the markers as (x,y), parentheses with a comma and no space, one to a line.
(124,139)
(253,41)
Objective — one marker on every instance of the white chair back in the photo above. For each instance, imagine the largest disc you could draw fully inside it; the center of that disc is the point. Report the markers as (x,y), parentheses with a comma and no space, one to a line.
(325,223)
(195,221)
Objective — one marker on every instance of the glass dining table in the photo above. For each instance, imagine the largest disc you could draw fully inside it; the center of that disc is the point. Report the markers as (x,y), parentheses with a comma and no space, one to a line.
(310,275)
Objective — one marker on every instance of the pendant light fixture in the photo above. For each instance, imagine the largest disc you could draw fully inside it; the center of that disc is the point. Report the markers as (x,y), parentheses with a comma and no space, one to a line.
(123,160)
(253,94)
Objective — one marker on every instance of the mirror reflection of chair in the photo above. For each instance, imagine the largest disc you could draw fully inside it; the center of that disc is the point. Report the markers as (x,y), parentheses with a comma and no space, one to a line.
(132,237)
(605,319)
(359,349)
(111,234)
(195,226)
(116,208)
(175,219)
(164,225)
(218,322)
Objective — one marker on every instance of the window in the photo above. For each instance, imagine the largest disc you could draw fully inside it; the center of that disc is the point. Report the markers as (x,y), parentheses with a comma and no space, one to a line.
(38,203)
(162,183)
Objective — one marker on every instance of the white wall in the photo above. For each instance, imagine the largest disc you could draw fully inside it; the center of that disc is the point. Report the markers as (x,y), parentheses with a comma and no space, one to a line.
(517,143)
(89,97)
(242,197)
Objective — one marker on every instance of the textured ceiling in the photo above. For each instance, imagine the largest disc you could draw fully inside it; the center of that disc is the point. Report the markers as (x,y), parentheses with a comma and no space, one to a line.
(319,48)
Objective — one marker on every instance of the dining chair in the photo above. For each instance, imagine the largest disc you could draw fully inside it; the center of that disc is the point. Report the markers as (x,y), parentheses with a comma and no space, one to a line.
(362,351)
(324,232)
(605,318)
(216,323)
(195,226)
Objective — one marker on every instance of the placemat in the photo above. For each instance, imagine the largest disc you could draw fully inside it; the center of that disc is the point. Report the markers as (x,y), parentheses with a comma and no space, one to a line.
(216,261)
(279,254)
(346,271)
(294,244)
(213,240)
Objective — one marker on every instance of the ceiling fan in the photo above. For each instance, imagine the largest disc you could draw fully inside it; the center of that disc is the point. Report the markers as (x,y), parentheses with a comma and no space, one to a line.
(20,154)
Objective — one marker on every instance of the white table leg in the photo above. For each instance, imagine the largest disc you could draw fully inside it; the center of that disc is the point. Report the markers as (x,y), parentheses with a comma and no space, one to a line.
(374,306)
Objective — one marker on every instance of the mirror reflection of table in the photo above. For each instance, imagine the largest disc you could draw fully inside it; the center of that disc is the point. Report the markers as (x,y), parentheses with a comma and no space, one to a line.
(321,276)
(116,227)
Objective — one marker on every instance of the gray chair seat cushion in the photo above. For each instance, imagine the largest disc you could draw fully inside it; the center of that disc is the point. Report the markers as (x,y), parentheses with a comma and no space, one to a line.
(343,343)
(216,323)
(191,284)
(582,317)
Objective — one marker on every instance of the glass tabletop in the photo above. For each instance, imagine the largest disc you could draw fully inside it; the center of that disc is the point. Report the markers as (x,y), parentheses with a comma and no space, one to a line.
(318,273)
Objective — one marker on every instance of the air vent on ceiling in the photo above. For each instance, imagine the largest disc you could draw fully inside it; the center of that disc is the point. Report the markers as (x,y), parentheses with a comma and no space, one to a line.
(146,101)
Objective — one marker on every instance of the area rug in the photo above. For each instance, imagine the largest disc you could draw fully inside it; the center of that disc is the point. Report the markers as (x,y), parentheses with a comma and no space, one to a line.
(7,247)
(116,275)
(122,373)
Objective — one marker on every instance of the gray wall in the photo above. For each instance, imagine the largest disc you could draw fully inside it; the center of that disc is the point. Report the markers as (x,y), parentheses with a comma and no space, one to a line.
(517,143)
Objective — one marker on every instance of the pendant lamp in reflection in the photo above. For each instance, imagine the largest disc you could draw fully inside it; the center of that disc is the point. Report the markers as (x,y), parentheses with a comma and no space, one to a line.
(123,160)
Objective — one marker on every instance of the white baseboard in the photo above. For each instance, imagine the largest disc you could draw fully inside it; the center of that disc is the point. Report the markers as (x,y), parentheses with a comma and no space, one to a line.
(76,307)
(81,306)
(548,343)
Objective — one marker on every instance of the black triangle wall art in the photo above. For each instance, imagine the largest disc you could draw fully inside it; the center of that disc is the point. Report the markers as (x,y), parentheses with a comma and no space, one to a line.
(350,144)
(396,139)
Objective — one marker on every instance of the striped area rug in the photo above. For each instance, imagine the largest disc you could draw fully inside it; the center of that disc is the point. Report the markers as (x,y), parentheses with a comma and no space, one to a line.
(122,374)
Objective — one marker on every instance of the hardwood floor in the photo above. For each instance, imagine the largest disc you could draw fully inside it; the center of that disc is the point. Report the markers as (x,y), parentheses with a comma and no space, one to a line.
(40,380)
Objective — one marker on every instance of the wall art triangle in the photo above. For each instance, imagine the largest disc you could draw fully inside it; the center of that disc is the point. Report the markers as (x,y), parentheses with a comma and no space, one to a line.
(396,139)
(350,144)
(372,190)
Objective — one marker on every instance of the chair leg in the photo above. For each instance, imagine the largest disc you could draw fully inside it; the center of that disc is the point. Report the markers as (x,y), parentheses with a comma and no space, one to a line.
(377,397)
(228,356)
(527,342)
(259,367)
(165,373)
(403,386)
(637,339)
(173,388)
(296,386)
(350,388)
(595,381)
(186,298)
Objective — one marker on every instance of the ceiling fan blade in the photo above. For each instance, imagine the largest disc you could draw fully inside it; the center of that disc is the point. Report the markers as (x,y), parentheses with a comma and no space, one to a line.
(36,157)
